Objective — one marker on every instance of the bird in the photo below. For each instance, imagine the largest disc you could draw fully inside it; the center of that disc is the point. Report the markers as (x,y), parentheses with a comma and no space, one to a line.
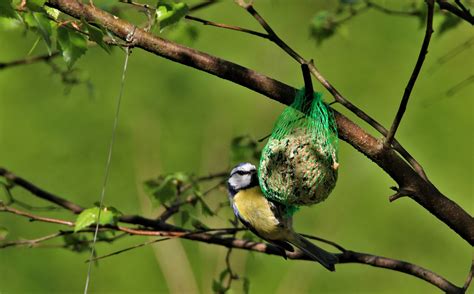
(268,219)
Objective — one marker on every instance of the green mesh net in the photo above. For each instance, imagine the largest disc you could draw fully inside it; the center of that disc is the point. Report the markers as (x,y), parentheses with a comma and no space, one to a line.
(298,165)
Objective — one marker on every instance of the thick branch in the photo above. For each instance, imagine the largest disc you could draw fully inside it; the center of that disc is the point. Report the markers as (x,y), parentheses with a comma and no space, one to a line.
(425,193)
(414,75)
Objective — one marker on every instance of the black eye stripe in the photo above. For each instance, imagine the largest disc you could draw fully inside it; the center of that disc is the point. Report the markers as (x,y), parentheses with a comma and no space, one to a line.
(241,172)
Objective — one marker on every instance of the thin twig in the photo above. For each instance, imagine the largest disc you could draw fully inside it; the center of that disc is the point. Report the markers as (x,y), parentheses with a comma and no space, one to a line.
(12,178)
(29,60)
(453,53)
(454,89)
(225,26)
(386,10)
(33,217)
(203,4)
(126,249)
(414,75)
(464,14)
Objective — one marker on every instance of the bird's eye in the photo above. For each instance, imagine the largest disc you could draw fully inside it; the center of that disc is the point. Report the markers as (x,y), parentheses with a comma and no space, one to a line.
(241,172)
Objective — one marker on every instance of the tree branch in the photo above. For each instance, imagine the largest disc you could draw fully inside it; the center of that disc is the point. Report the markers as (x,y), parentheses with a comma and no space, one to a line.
(29,60)
(12,178)
(347,256)
(425,193)
(462,13)
(414,75)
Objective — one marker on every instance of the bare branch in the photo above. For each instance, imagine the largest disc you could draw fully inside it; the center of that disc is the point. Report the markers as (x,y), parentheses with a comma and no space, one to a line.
(347,256)
(12,178)
(386,10)
(462,13)
(127,249)
(414,75)
(29,60)
(225,26)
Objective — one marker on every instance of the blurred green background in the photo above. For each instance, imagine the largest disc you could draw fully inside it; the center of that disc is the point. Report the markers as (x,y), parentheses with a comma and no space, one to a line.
(175,118)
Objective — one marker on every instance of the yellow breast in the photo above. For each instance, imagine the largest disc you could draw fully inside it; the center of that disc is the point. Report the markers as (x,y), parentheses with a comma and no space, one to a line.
(255,209)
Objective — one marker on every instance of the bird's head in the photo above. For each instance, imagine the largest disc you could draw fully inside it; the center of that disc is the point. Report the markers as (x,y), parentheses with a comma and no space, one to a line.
(243,176)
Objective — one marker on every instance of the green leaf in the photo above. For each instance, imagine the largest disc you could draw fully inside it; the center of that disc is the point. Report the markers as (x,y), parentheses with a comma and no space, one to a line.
(96,34)
(35,5)
(10,23)
(76,242)
(169,12)
(40,22)
(199,225)
(164,188)
(53,12)
(205,209)
(6,9)
(108,216)
(450,21)
(184,217)
(246,285)
(3,233)
(184,33)
(217,287)
(223,274)
(72,45)
(322,26)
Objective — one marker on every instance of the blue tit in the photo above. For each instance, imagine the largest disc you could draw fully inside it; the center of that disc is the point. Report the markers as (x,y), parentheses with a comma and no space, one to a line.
(268,219)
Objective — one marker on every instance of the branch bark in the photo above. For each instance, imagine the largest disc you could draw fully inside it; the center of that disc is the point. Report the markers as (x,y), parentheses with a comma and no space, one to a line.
(424,193)
(347,256)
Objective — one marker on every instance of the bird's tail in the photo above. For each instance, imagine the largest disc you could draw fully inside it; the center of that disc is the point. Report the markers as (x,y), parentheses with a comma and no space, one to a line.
(323,257)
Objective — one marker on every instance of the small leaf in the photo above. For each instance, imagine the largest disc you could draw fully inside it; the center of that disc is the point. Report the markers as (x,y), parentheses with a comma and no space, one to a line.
(246,285)
(217,287)
(9,23)
(450,21)
(169,12)
(184,33)
(53,12)
(184,217)
(72,45)
(165,187)
(108,216)
(223,274)
(35,5)
(97,35)
(76,243)
(42,25)
(199,225)
(205,209)
(322,26)
(3,233)
(6,9)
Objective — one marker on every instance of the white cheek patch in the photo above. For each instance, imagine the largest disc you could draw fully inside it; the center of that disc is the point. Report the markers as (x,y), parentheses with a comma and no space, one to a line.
(240,181)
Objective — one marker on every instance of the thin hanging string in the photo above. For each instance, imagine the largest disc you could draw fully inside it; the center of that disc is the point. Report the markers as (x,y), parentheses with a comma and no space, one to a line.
(107,167)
